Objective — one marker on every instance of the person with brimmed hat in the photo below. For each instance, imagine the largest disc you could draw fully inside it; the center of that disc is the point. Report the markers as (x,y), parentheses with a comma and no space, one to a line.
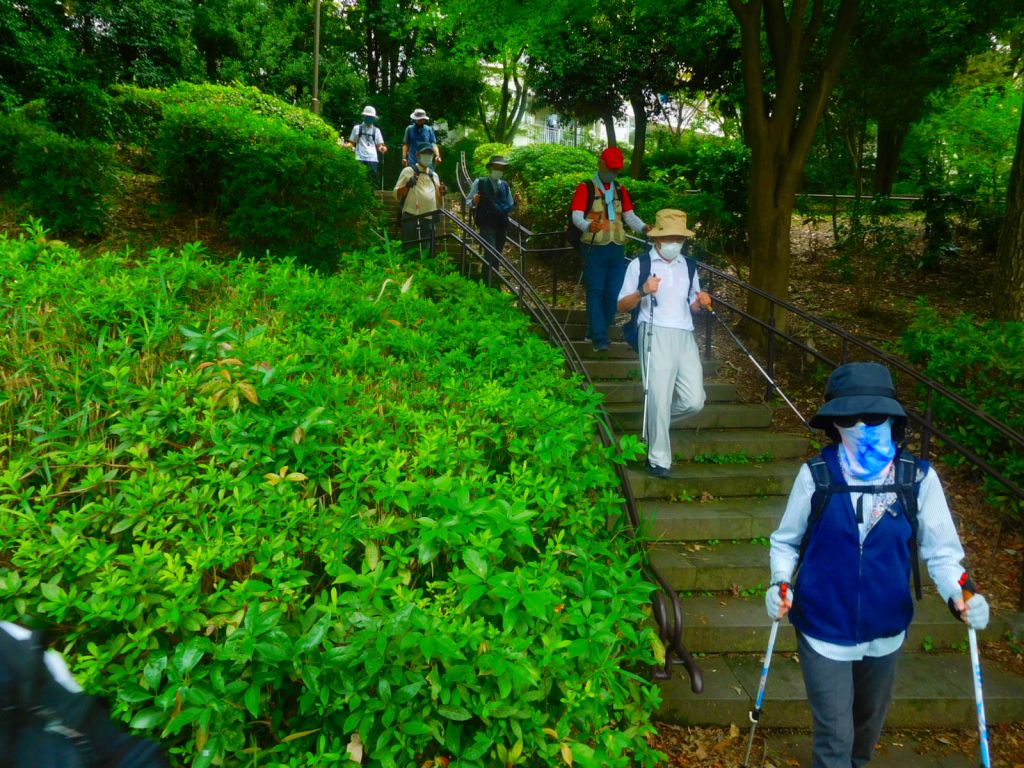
(859,518)
(419,192)
(600,207)
(418,135)
(664,283)
(491,200)
(368,141)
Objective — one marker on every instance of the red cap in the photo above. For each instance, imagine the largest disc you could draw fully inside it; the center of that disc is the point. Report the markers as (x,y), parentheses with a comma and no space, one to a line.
(612,158)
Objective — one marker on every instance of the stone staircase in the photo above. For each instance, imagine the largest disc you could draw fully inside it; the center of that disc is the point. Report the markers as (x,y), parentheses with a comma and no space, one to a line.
(708,526)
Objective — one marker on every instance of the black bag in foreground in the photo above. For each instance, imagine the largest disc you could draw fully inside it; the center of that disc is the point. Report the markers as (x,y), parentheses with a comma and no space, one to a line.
(45,725)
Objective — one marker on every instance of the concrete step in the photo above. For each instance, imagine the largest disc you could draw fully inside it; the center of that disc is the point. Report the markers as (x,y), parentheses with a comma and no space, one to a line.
(690,481)
(703,567)
(619,350)
(727,624)
(629,416)
(755,444)
(932,690)
(720,519)
(625,391)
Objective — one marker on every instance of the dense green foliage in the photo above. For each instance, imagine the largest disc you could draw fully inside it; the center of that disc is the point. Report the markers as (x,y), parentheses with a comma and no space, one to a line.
(277,189)
(484,152)
(270,512)
(984,363)
(534,162)
(67,181)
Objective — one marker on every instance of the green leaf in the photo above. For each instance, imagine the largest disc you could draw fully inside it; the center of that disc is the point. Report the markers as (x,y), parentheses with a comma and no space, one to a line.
(475,562)
(147,718)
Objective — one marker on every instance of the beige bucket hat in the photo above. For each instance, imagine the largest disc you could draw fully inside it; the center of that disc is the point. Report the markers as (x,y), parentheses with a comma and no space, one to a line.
(669,222)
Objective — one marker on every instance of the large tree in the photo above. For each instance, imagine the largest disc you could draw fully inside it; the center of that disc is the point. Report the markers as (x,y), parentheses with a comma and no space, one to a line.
(791,58)
(1008,298)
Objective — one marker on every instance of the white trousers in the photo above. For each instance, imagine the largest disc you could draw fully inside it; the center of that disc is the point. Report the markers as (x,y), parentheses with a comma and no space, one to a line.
(674,382)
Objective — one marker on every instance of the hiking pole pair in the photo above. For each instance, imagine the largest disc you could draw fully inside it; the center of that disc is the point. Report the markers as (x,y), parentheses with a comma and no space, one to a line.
(755,713)
(967,589)
(757,365)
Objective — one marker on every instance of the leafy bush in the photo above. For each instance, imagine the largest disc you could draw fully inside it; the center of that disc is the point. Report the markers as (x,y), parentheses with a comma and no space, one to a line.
(535,162)
(137,113)
(983,362)
(80,110)
(546,206)
(278,189)
(65,181)
(271,515)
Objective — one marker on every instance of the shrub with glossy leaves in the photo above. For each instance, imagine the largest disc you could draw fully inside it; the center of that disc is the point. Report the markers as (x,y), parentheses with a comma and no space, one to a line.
(536,162)
(275,516)
(983,362)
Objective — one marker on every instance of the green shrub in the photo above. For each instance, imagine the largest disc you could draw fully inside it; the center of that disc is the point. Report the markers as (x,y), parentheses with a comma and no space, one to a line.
(546,206)
(984,363)
(80,110)
(267,513)
(66,182)
(278,189)
(535,162)
(137,113)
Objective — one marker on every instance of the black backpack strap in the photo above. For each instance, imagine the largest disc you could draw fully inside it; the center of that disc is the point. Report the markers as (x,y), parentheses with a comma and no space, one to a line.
(823,490)
(906,492)
(645,271)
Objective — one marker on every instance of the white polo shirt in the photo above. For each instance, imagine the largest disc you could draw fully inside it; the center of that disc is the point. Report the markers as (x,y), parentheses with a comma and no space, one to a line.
(675,294)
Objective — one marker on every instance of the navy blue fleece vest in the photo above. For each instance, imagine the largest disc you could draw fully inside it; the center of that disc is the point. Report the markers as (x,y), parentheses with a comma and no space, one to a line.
(844,595)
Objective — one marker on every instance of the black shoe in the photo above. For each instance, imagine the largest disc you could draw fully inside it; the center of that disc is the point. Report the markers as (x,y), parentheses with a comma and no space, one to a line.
(655,471)
(603,347)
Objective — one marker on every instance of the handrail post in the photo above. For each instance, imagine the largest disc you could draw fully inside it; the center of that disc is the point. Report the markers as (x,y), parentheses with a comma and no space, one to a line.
(770,391)
(926,426)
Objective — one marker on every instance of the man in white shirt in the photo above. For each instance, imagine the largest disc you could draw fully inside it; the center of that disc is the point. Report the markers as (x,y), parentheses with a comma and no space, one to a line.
(669,358)
(368,142)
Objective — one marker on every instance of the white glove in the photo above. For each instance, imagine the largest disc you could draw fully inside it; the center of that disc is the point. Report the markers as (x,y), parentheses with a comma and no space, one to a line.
(976,615)
(773,600)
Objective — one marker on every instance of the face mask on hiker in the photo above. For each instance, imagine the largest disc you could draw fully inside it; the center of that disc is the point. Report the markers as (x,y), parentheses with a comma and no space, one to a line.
(670,250)
(868,447)
(425,159)
(496,175)
(606,176)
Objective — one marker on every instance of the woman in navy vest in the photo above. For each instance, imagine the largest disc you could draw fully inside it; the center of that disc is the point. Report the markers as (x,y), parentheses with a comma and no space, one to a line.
(850,598)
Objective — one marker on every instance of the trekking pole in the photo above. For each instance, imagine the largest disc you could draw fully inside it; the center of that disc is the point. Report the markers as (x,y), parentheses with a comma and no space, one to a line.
(649,346)
(757,365)
(755,713)
(968,592)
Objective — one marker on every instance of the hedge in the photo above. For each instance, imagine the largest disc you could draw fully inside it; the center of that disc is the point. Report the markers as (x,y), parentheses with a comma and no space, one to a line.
(67,182)
(271,515)
(278,190)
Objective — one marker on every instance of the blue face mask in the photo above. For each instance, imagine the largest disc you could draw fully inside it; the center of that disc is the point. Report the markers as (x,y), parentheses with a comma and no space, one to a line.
(607,176)
(868,450)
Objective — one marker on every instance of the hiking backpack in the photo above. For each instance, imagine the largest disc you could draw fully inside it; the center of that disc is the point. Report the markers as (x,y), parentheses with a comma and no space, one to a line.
(631,328)
(45,725)
(573,236)
(905,488)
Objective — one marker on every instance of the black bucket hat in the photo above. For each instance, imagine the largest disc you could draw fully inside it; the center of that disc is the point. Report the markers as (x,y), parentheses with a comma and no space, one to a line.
(858,388)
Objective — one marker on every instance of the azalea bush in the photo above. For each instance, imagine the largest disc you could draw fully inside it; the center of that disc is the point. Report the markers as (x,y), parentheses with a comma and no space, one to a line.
(282,519)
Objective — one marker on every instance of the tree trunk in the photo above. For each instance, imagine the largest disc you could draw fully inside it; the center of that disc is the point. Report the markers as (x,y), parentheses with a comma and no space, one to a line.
(1008,294)
(639,105)
(890,144)
(780,116)
(609,129)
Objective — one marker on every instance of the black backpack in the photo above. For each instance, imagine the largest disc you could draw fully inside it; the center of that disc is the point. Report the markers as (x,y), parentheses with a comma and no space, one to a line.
(485,213)
(905,488)
(44,725)
(631,329)
(573,236)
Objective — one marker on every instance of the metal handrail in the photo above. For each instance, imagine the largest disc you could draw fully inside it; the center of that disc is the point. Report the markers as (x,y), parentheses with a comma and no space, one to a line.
(666,604)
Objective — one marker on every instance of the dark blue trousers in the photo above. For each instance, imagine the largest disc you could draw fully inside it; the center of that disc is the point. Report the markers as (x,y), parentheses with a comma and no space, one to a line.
(603,271)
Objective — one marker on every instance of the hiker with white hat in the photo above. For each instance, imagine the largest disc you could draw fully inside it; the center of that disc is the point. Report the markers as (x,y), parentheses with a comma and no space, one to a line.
(417,135)
(665,285)
(860,516)
(368,142)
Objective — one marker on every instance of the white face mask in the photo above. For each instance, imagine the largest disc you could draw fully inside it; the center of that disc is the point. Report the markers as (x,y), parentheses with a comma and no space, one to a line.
(670,251)
(496,175)
(425,160)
